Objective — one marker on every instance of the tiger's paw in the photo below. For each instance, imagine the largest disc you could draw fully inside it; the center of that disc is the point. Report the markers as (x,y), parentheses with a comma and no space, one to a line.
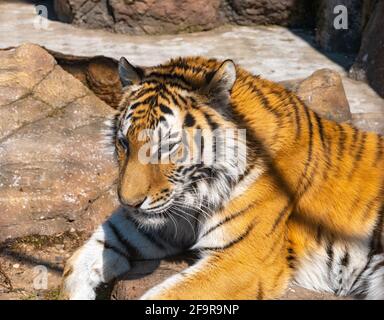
(75,285)
(75,289)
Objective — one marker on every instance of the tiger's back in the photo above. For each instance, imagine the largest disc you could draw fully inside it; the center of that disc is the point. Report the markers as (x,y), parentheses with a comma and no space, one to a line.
(334,175)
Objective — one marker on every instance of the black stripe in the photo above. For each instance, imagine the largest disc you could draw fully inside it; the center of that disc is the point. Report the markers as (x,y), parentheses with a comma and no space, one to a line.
(176,79)
(355,137)
(341,143)
(189,120)
(233,242)
(291,258)
(325,145)
(359,153)
(131,249)
(330,254)
(297,115)
(263,99)
(319,234)
(361,149)
(165,109)
(229,218)
(260,292)
(280,217)
(310,152)
(180,86)
(143,92)
(164,96)
(212,124)
(309,178)
(180,97)
(376,244)
(134,106)
(320,128)
(150,100)
(114,249)
(379,149)
(346,259)
(148,236)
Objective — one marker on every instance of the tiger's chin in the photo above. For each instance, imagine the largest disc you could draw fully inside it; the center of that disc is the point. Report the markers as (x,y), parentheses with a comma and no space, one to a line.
(148,220)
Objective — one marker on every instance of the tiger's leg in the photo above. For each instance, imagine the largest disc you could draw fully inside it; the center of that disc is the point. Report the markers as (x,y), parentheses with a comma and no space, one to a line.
(107,255)
(344,267)
(253,266)
(370,283)
(221,276)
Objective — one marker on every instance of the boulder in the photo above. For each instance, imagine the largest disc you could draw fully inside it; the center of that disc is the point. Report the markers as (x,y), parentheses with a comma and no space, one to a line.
(369,64)
(141,17)
(98,73)
(369,121)
(332,38)
(56,174)
(324,93)
(146,276)
(175,16)
(271,12)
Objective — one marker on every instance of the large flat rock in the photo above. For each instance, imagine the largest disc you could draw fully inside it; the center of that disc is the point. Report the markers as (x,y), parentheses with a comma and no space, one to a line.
(54,169)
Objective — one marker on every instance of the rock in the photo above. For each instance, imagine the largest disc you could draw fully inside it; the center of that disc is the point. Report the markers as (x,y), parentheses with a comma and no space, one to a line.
(369,122)
(369,64)
(146,276)
(98,73)
(266,12)
(346,40)
(55,172)
(89,13)
(175,16)
(324,93)
(141,17)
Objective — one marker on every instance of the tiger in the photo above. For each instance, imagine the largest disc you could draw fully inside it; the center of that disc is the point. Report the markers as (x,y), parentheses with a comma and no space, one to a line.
(306,206)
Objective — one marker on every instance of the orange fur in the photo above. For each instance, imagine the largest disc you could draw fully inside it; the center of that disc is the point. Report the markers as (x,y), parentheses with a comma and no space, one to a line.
(321,180)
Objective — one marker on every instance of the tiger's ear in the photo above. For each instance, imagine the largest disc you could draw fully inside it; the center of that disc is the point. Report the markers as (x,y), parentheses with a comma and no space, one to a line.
(128,73)
(223,79)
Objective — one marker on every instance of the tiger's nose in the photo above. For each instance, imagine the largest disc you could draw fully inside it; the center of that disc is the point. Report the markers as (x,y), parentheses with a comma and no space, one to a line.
(136,203)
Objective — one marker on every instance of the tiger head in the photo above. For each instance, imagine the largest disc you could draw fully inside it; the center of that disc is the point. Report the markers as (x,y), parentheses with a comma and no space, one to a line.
(178,146)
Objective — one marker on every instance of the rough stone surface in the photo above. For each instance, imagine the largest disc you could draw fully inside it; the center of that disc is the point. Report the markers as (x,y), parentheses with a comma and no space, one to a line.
(264,12)
(369,65)
(340,40)
(98,73)
(54,172)
(142,17)
(323,91)
(273,52)
(369,121)
(175,16)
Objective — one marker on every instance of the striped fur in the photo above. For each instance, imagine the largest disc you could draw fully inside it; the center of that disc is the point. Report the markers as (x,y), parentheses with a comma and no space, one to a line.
(308,206)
